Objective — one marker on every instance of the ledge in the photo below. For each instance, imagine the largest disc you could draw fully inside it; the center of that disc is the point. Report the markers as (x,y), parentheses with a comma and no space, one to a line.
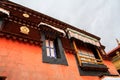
(93,67)
(20,38)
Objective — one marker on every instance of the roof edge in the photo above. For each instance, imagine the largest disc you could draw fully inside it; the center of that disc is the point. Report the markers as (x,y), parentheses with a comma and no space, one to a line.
(51,18)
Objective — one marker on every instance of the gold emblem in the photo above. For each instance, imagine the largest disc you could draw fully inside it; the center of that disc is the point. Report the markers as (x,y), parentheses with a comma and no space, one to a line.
(26,15)
(24,30)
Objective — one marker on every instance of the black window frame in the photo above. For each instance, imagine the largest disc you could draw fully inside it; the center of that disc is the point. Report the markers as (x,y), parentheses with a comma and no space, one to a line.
(2,78)
(1,23)
(61,59)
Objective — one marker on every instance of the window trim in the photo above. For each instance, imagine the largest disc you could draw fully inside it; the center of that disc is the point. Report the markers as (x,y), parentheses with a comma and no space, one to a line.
(1,23)
(86,55)
(3,77)
(86,69)
(90,59)
(59,60)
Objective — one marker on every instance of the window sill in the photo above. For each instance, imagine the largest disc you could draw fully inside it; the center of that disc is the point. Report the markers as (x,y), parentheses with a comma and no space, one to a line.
(93,67)
(52,60)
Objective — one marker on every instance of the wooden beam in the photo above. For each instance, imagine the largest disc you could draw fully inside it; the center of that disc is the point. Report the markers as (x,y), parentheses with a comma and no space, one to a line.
(99,55)
(76,50)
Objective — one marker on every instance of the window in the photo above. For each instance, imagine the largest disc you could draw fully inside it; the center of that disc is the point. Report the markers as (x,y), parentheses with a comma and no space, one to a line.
(89,60)
(87,57)
(52,50)
(88,54)
(2,78)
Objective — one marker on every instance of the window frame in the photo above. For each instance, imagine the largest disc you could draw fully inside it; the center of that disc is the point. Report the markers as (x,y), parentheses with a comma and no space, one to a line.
(60,56)
(1,23)
(2,78)
(86,69)
(86,51)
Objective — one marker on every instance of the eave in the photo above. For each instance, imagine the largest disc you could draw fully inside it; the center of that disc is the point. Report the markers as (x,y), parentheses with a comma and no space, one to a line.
(113,52)
(41,17)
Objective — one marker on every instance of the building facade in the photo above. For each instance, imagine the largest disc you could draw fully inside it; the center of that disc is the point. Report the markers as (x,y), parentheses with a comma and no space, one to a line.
(34,46)
(114,56)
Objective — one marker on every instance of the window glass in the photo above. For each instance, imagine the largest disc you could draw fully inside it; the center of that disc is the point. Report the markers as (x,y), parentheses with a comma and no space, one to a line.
(52,52)
(47,44)
(51,44)
(50,49)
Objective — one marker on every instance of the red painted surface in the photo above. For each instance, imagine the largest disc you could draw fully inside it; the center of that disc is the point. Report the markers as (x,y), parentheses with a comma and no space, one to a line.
(90,78)
(19,61)
(111,67)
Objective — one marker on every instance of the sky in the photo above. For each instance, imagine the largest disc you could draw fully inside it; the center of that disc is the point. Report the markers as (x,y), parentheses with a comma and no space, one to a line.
(99,17)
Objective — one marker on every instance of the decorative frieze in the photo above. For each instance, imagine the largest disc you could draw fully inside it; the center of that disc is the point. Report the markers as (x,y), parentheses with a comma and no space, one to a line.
(22,22)
(20,38)
(26,15)
(24,30)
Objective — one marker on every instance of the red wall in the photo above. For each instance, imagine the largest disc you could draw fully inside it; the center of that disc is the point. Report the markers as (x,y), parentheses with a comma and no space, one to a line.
(111,67)
(19,61)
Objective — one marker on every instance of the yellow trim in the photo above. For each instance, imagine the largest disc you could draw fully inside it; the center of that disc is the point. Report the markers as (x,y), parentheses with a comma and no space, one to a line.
(99,55)
(90,60)
(24,30)
(78,57)
(75,46)
(26,15)
(96,61)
